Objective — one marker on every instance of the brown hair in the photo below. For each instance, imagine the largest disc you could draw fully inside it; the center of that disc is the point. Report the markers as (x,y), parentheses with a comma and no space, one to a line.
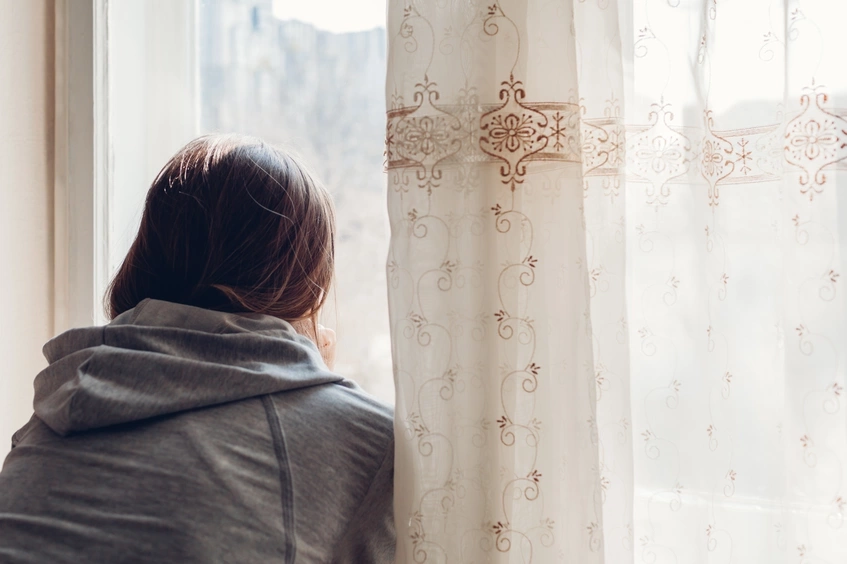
(231,224)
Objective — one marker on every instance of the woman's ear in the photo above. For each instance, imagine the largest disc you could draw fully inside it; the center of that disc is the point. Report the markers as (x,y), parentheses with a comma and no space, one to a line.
(323,337)
(326,344)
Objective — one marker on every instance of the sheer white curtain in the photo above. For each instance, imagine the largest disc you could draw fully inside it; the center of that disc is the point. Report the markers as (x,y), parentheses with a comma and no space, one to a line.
(618,231)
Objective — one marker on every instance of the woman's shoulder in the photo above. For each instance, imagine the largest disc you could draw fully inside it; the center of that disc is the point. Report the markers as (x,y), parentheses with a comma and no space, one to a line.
(344,399)
(337,406)
(339,449)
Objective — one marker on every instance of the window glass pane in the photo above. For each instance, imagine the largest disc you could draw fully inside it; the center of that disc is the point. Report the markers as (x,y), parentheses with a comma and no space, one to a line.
(310,76)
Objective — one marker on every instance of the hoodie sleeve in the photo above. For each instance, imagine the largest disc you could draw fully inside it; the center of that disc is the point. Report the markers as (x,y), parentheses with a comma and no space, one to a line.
(370,536)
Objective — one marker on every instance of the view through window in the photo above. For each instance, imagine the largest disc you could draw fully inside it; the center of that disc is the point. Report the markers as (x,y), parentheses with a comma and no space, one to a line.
(309,76)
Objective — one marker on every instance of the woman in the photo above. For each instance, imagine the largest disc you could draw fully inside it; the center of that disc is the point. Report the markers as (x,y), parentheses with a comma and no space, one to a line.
(199,425)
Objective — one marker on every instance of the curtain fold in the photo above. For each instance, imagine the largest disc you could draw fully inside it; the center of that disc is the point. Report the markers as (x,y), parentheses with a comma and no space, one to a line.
(617,323)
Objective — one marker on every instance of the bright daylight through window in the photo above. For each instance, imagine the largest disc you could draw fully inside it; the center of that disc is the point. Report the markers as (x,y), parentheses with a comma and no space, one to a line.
(310,76)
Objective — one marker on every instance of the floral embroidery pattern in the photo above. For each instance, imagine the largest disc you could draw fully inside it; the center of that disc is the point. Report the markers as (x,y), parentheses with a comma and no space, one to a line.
(815,140)
(659,153)
(603,146)
(511,133)
(716,161)
(424,136)
(514,131)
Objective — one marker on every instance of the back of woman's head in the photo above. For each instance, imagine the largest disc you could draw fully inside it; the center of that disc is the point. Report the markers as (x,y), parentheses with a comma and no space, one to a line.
(231,224)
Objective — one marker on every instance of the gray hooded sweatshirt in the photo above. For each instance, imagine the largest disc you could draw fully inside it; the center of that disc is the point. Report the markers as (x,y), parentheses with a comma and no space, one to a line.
(178,434)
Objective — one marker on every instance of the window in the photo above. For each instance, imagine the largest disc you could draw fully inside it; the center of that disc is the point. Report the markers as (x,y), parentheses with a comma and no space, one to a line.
(307,76)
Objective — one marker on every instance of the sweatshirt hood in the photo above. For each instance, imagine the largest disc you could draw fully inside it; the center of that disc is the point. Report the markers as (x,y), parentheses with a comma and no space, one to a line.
(162,358)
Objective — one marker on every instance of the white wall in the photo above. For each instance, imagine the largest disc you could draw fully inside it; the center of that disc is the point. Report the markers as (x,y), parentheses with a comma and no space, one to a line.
(26,203)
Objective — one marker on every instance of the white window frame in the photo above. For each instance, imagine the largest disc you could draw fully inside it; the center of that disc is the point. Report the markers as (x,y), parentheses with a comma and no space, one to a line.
(95,165)
(80,205)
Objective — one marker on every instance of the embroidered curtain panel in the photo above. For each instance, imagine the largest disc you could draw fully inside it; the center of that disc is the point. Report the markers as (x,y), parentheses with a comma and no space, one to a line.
(618,320)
